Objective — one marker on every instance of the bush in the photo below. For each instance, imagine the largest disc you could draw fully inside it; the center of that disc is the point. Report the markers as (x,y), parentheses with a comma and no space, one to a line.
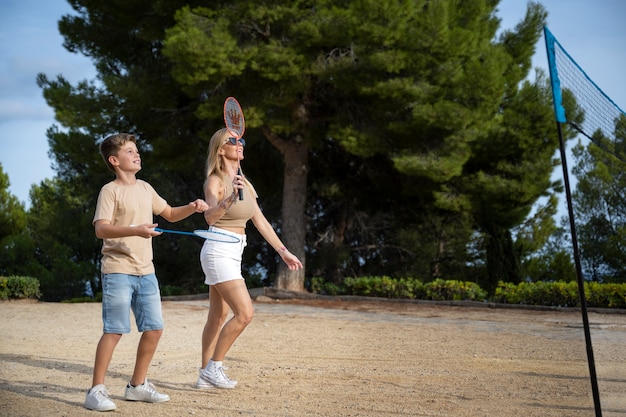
(168,290)
(543,293)
(384,286)
(320,286)
(97,298)
(16,288)
(441,290)
(411,288)
(561,294)
(605,295)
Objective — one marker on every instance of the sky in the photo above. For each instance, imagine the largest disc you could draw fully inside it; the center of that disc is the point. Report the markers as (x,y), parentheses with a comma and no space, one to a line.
(592,32)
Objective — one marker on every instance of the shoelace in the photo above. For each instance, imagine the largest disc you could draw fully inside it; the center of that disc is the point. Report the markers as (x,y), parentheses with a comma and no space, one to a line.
(150,387)
(223,374)
(103,393)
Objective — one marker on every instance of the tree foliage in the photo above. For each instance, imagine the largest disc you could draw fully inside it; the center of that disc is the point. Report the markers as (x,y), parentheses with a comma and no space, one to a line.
(423,83)
(600,205)
(15,246)
(401,133)
(12,212)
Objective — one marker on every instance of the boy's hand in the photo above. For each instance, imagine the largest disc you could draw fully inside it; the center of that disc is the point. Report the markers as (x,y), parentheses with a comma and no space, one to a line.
(147,230)
(200,206)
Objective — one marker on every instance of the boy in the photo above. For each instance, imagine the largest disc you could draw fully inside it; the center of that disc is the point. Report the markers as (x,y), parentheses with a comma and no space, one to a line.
(124,220)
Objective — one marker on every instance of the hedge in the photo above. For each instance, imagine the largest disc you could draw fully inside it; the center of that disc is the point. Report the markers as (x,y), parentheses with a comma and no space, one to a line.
(15,287)
(541,293)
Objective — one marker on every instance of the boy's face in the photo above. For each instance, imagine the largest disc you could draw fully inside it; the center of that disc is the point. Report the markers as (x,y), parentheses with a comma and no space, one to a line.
(127,159)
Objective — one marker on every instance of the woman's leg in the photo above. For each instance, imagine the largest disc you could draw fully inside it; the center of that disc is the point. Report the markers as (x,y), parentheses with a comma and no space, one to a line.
(218,311)
(236,295)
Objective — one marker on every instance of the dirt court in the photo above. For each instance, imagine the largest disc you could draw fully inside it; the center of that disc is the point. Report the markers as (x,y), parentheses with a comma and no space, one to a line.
(326,358)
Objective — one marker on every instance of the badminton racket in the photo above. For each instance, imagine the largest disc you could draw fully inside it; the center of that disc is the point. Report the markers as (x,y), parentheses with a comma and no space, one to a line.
(205,234)
(236,125)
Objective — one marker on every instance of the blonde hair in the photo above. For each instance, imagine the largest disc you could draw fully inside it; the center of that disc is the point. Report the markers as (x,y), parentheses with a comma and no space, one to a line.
(215,163)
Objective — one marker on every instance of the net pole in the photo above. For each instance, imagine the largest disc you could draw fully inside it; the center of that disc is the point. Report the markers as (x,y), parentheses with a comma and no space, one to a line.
(579,277)
(559,113)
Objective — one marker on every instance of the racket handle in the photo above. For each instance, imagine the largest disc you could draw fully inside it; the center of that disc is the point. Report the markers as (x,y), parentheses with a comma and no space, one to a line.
(240,190)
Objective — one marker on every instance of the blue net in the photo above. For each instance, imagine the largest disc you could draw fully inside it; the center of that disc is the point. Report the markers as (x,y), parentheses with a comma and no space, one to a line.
(599,113)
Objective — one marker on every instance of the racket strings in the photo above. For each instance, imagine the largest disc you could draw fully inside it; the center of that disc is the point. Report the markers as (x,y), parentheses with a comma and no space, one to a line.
(206,234)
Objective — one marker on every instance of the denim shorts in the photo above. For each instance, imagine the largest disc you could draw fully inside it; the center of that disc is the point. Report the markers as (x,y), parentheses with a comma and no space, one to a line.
(122,293)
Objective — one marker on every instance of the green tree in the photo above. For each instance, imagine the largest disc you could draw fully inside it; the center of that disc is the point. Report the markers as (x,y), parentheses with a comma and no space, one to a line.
(421,82)
(600,204)
(544,247)
(419,100)
(12,213)
(133,93)
(41,242)
(510,170)
(16,248)
(58,219)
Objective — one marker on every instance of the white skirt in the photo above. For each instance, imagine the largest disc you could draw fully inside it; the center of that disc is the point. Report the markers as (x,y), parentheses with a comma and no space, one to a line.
(221,261)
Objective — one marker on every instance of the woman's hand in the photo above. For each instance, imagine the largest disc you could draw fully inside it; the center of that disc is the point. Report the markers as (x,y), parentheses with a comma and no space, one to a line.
(238,183)
(290,259)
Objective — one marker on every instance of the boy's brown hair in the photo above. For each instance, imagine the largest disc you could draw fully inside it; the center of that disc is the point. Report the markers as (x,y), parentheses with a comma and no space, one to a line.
(112,144)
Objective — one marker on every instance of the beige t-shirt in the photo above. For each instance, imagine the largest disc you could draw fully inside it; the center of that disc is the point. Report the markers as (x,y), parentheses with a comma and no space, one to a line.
(127,205)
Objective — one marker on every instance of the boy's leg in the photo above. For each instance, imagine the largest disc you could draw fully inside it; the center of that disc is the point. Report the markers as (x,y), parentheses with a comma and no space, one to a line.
(149,318)
(139,388)
(116,295)
(116,301)
(146,306)
(145,352)
(104,353)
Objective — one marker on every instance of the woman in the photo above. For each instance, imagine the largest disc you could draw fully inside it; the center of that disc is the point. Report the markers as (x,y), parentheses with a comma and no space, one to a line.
(221,262)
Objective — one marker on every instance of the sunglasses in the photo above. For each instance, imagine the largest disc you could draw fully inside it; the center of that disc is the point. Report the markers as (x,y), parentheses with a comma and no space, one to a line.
(233,141)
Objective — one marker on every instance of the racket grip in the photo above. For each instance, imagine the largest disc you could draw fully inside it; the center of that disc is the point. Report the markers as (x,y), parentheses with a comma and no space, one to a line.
(240,190)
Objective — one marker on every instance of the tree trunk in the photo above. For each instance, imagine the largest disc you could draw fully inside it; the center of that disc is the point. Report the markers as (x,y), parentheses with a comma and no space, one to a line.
(502,264)
(293,234)
(341,226)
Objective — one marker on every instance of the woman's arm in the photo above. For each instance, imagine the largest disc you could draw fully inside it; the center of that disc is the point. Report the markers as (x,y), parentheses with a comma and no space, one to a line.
(214,197)
(267,231)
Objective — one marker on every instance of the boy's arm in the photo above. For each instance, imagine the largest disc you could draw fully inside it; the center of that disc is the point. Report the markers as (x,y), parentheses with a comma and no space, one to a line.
(174,214)
(105,230)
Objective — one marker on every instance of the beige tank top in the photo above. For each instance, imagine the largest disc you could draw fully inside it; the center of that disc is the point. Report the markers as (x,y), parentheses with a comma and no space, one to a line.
(241,211)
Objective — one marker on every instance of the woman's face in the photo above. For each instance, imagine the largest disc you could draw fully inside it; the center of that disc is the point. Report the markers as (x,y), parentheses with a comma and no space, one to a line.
(233,148)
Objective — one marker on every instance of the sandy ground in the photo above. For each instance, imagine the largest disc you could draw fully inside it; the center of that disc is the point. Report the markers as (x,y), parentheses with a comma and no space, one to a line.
(326,358)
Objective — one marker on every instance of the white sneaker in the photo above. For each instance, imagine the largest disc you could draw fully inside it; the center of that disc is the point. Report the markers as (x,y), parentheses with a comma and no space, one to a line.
(201,383)
(217,377)
(98,399)
(145,392)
